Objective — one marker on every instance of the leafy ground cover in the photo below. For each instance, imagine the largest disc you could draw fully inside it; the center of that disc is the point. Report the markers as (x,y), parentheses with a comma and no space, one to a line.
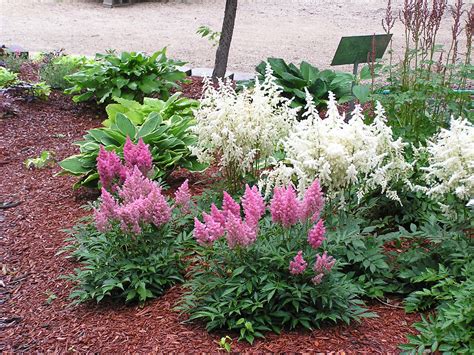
(31,267)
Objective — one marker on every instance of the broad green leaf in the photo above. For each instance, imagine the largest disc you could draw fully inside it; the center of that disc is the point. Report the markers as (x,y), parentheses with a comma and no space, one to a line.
(73,165)
(125,126)
(361,92)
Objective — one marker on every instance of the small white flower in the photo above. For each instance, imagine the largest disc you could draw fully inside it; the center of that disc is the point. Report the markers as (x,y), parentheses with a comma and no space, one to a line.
(343,154)
(238,128)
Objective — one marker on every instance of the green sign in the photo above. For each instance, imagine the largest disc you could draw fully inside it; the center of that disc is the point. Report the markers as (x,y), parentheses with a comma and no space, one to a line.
(357,49)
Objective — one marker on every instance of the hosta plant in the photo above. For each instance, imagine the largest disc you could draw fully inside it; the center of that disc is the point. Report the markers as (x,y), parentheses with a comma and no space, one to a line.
(137,113)
(295,80)
(169,139)
(342,155)
(241,131)
(128,75)
(7,78)
(132,251)
(262,273)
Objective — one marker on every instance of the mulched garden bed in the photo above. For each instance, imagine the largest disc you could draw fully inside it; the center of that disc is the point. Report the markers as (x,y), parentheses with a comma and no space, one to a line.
(36,313)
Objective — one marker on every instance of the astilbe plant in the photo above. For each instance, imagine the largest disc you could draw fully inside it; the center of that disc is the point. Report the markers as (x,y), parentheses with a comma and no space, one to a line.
(264,268)
(341,155)
(239,131)
(132,248)
(450,167)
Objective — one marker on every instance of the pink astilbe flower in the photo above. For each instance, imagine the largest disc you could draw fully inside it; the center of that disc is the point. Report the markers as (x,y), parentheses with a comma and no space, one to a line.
(201,233)
(182,197)
(229,206)
(285,206)
(239,233)
(317,279)
(323,263)
(298,265)
(129,216)
(141,203)
(253,204)
(322,266)
(217,215)
(214,228)
(313,203)
(138,155)
(316,235)
(136,185)
(110,169)
(106,212)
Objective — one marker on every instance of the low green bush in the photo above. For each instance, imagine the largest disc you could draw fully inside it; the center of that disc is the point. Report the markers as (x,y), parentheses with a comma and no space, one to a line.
(169,139)
(7,78)
(128,75)
(134,250)
(53,71)
(294,80)
(257,278)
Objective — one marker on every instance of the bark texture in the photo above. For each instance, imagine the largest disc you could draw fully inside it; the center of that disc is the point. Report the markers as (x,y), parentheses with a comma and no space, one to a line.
(225,41)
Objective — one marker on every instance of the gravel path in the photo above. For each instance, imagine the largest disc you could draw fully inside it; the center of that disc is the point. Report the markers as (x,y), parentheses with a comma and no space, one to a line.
(293,29)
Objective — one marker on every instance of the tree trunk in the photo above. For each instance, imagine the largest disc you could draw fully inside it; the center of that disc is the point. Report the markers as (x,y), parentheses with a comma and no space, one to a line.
(222,54)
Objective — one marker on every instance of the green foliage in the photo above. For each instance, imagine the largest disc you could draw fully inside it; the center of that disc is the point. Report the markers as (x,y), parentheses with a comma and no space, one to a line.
(136,112)
(226,343)
(7,78)
(41,90)
(294,80)
(451,329)
(169,139)
(360,254)
(45,159)
(250,290)
(211,35)
(54,70)
(419,101)
(129,75)
(125,267)
(13,61)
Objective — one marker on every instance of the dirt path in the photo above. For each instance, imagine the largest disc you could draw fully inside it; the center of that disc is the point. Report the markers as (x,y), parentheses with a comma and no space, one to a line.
(293,29)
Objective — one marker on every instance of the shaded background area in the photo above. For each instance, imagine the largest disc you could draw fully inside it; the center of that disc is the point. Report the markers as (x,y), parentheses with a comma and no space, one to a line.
(291,29)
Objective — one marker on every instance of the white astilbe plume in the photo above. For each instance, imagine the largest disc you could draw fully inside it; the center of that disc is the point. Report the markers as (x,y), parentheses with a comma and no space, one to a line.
(341,155)
(238,128)
(451,161)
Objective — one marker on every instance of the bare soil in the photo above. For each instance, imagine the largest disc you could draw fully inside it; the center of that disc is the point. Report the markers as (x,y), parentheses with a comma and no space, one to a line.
(292,29)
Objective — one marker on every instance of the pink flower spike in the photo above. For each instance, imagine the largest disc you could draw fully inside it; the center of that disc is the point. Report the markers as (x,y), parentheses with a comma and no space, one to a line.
(182,197)
(138,155)
(313,203)
(253,204)
(217,215)
(317,279)
(110,169)
(285,206)
(323,263)
(214,228)
(316,235)
(229,206)
(200,232)
(298,265)
(106,212)
(239,232)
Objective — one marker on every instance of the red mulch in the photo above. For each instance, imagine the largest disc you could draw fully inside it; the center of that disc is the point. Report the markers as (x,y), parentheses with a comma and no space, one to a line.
(30,271)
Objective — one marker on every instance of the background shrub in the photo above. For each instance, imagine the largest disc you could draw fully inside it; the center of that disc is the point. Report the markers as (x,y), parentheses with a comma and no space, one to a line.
(55,68)
(128,75)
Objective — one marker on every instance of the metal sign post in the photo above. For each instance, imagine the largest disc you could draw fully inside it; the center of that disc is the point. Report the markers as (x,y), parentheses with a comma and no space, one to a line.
(358,49)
